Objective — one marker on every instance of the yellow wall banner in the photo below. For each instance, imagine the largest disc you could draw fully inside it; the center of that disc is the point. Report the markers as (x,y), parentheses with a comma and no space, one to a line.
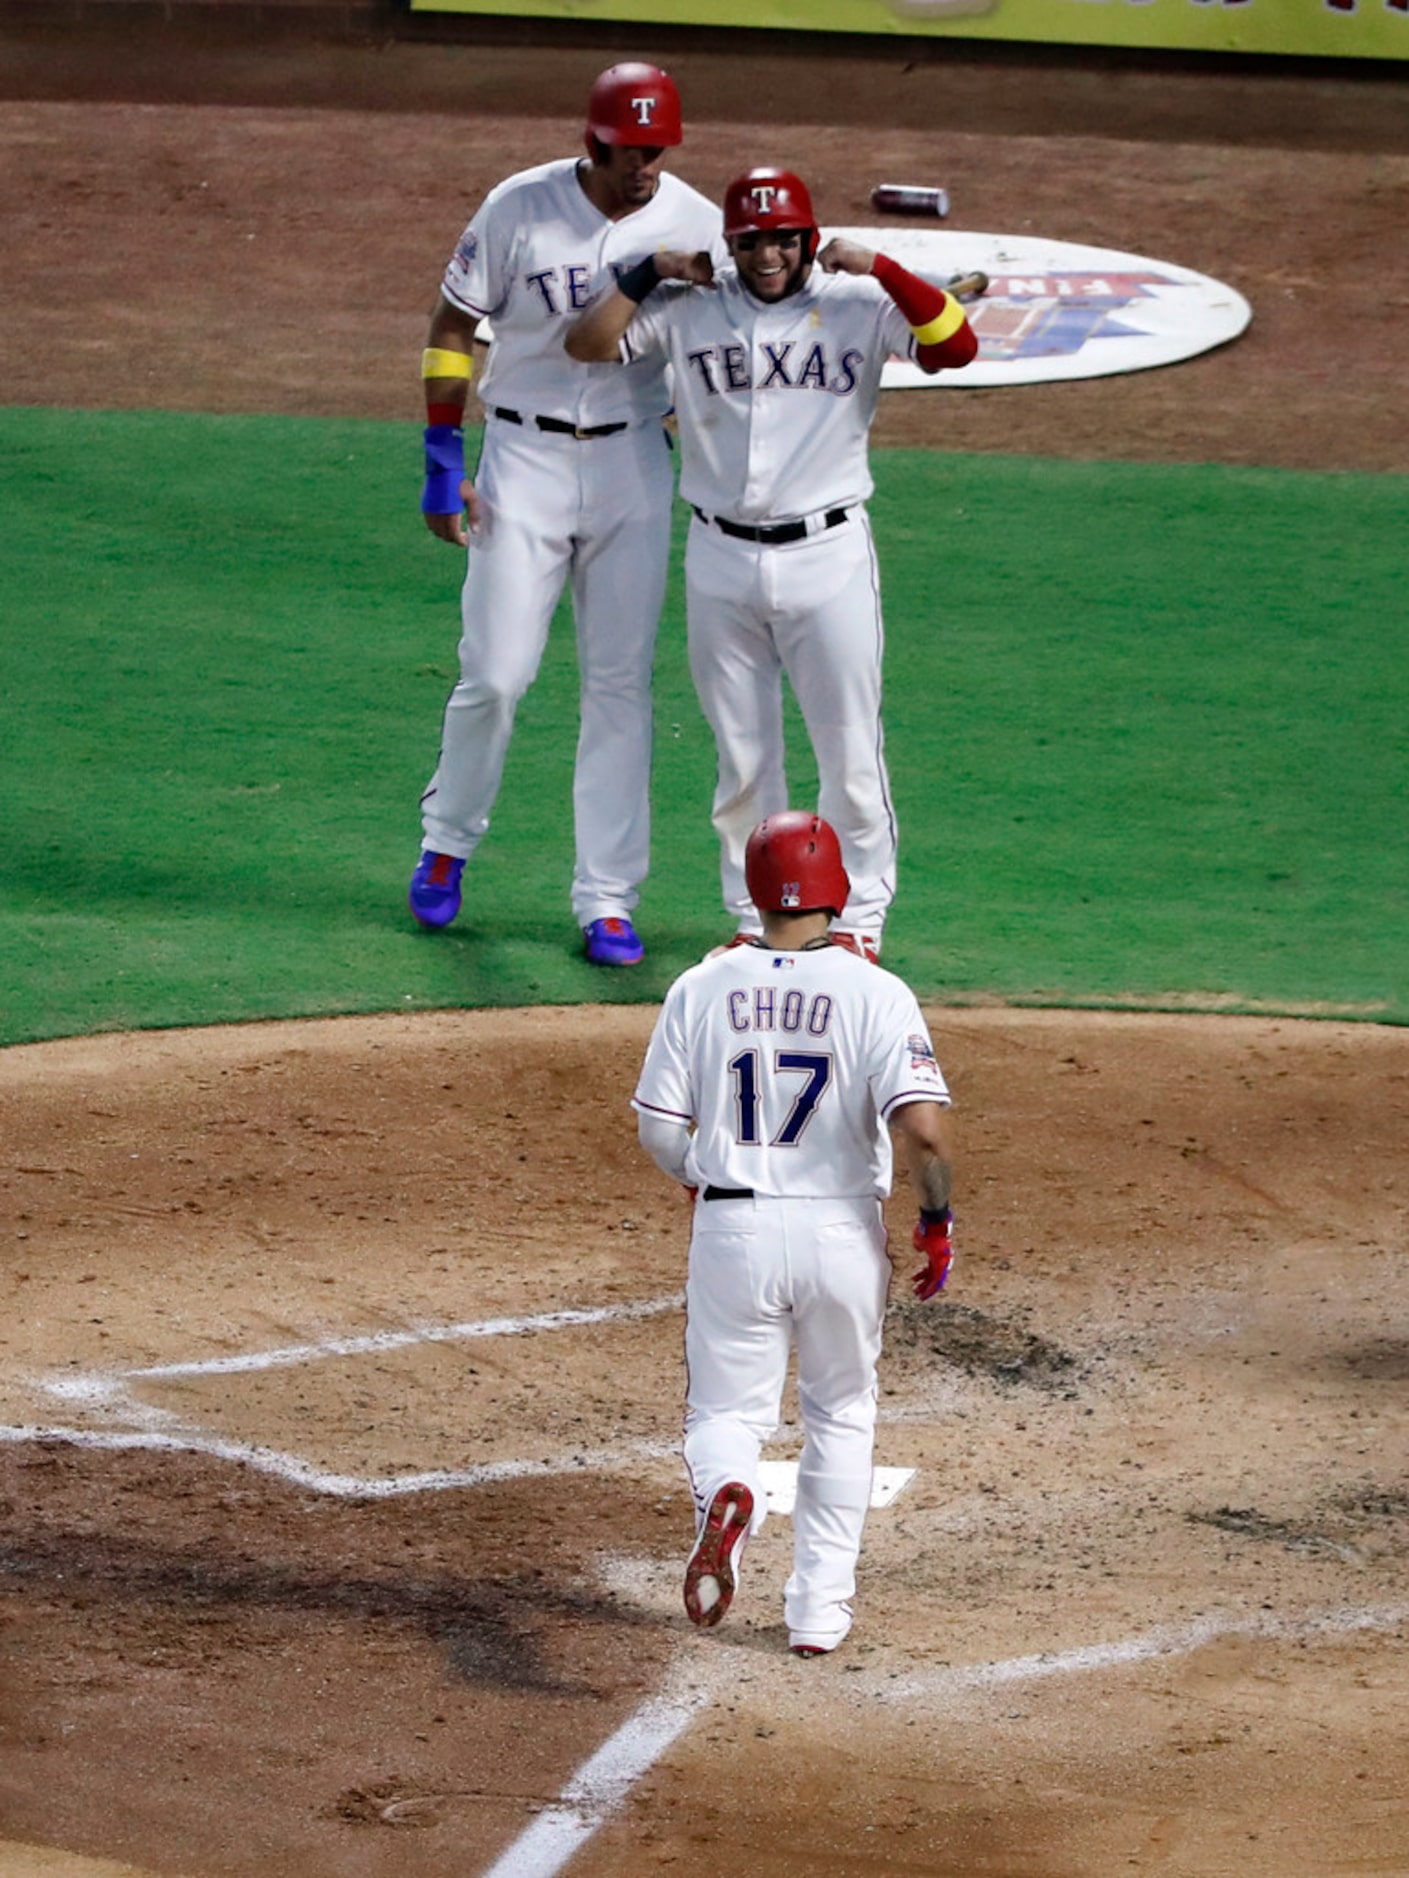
(1336,29)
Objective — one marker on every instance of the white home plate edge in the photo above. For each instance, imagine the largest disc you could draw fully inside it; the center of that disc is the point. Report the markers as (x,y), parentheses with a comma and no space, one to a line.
(780,1484)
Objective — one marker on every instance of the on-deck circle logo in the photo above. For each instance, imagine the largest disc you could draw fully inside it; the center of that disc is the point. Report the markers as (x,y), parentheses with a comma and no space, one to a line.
(1059,309)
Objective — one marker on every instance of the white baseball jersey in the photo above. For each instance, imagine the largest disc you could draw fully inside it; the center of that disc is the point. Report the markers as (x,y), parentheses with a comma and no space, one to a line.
(555,508)
(789,1064)
(775,400)
(536,253)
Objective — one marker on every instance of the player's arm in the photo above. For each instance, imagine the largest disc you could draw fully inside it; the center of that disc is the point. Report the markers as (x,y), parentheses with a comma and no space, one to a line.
(595,337)
(943,335)
(667,1140)
(447,366)
(664,1101)
(924,1133)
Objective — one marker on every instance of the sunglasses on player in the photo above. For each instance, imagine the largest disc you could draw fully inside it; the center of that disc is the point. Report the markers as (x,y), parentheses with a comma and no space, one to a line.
(785,238)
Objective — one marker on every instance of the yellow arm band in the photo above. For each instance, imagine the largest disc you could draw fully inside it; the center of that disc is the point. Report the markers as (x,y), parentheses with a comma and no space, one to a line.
(943,326)
(438,364)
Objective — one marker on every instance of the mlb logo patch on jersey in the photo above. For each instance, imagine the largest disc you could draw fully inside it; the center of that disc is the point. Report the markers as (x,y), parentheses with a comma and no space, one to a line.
(782,963)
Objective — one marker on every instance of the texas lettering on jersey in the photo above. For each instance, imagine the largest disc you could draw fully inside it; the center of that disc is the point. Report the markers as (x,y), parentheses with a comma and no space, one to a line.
(749,450)
(786,366)
(570,288)
(567,289)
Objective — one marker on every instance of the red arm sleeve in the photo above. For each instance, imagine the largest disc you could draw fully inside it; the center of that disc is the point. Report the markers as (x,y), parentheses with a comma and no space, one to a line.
(944,335)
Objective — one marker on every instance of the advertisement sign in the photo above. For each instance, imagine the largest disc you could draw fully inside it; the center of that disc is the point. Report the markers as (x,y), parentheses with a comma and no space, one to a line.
(1337,29)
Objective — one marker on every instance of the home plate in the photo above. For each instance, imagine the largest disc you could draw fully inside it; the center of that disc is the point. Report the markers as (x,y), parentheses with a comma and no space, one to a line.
(780,1484)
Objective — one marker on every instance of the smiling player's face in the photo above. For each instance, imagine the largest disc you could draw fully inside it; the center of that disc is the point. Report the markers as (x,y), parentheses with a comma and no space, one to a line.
(770,261)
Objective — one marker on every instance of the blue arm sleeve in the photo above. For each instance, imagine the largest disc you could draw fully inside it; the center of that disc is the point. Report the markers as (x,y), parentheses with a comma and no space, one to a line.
(445,470)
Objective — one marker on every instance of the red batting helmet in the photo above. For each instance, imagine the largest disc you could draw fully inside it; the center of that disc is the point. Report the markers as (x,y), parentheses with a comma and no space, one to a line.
(634,104)
(770,198)
(793,865)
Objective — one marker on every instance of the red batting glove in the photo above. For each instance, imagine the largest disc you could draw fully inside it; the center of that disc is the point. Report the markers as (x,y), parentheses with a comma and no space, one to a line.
(932,1230)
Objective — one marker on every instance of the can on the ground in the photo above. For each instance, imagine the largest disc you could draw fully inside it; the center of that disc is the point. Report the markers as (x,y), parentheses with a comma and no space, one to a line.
(910,199)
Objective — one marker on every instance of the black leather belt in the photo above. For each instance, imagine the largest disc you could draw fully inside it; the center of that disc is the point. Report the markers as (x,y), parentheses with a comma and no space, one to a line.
(557,425)
(772,534)
(728,1193)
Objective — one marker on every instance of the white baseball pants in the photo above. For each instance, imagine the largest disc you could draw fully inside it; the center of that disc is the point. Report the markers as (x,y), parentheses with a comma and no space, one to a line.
(765,1275)
(812,609)
(595,512)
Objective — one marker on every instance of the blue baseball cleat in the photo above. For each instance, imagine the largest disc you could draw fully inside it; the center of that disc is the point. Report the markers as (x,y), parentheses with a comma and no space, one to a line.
(613,942)
(434,893)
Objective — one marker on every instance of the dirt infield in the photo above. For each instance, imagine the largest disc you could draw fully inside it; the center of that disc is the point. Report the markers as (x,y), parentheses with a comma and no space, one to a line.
(252,255)
(1158,1428)
(329,1548)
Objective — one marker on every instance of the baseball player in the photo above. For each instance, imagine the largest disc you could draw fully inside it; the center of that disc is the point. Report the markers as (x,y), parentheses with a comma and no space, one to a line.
(777,366)
(778,1070)
(574,483)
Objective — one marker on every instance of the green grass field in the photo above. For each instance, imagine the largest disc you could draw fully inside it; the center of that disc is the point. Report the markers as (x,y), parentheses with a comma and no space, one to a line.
(1146,730)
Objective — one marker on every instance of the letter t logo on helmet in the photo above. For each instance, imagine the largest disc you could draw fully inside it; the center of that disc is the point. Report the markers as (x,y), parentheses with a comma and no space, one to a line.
(769,198)
(634,105)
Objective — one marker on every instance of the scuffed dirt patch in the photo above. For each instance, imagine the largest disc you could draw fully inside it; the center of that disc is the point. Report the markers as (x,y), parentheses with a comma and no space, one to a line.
(999,1347)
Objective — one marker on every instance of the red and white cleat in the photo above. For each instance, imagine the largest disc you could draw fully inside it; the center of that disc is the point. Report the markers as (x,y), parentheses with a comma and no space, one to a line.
(866,945)
(821,1638)
(710,1576)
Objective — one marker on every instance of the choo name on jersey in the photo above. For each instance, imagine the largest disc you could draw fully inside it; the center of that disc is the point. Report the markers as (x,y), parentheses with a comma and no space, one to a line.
(764,1007)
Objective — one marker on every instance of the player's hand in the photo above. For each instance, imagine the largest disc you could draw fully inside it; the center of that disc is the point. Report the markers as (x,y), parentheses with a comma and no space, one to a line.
(845,257)
(457,529)
(697,269)
(933,1232)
